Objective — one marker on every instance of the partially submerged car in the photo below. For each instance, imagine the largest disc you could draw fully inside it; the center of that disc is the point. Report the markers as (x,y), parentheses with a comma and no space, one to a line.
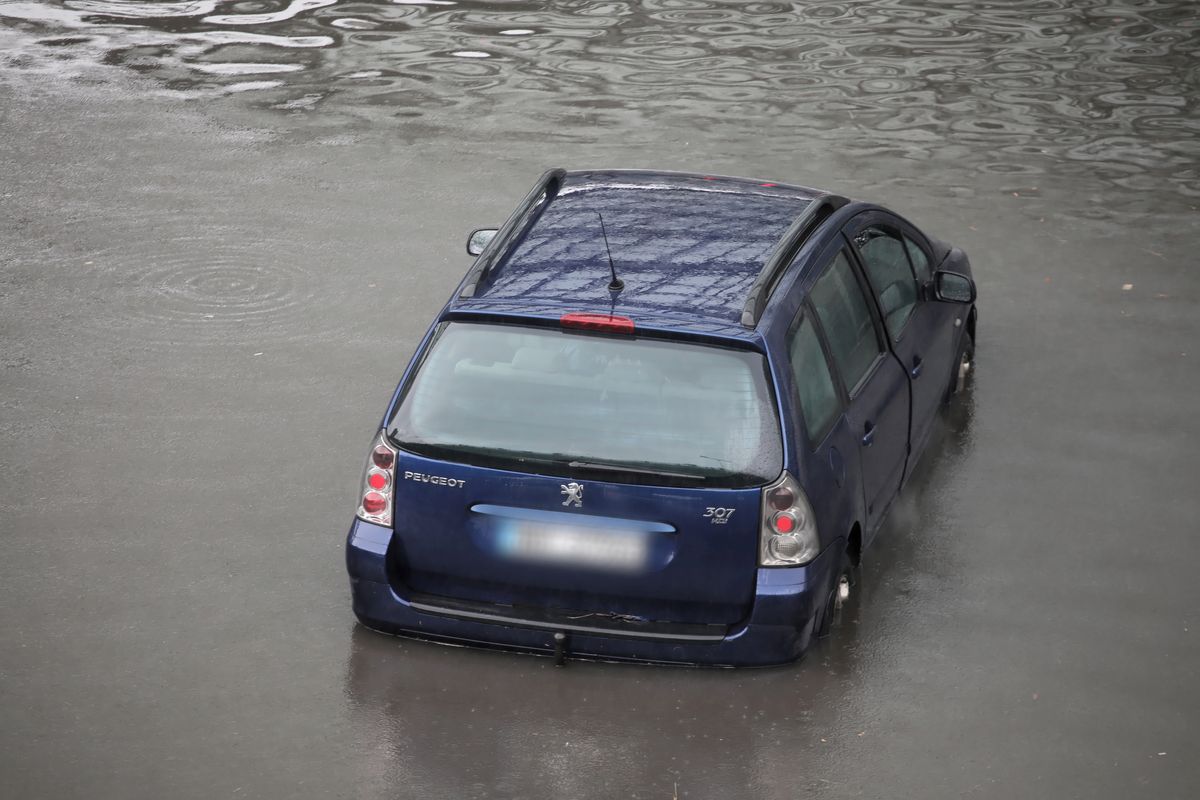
(659,420)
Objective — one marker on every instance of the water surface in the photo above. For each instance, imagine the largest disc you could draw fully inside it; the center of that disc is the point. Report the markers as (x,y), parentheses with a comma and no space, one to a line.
(1106,90)
(225,225)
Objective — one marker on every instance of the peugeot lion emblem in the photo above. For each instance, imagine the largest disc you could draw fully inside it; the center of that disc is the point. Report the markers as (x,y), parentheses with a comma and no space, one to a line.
(574,493)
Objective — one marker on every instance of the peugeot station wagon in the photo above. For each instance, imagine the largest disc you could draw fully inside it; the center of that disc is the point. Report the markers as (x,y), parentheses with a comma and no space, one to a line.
(659,420)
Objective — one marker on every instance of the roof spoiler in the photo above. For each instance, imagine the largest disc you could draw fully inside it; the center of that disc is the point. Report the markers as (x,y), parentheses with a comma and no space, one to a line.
(813,215)
(514,228)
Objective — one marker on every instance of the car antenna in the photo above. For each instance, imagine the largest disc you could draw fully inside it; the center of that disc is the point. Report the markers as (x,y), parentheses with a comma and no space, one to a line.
(616,284)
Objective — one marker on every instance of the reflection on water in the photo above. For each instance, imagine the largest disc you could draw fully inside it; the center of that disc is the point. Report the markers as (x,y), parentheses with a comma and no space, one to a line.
(480,732)
(1109,86)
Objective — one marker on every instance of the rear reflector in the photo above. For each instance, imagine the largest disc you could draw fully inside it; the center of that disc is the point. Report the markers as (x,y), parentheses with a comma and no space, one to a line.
(597,322)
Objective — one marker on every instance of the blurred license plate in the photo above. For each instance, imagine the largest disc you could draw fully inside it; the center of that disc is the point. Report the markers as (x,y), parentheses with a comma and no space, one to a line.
(623,551)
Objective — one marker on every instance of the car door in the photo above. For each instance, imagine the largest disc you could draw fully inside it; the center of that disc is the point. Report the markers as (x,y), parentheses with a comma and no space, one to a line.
(826,448)
(872,378)
(918,327)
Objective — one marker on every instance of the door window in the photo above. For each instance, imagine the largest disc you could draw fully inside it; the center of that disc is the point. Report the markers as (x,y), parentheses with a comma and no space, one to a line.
(887,263)
(842,309)
(920,262)
(819,401)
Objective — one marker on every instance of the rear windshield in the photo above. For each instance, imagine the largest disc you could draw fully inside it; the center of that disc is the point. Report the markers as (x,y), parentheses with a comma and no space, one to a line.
(627,409)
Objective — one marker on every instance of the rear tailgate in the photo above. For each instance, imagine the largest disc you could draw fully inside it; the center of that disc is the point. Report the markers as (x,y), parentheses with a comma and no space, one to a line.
(527,544)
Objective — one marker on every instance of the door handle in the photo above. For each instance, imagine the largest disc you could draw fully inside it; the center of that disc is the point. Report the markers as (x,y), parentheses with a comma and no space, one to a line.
(868,434)
(915,372)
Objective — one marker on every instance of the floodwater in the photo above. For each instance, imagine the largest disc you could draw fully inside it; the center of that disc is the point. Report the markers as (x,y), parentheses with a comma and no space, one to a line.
(224,225)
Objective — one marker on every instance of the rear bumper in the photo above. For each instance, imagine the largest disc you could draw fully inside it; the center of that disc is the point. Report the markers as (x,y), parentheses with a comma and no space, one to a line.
(778,630)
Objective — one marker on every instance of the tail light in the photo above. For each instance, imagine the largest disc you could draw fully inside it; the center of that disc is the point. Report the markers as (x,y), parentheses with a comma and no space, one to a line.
(375,499)
(788,532)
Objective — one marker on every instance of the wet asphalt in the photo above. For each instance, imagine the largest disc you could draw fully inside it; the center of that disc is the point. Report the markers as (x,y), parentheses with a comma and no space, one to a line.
(208,291)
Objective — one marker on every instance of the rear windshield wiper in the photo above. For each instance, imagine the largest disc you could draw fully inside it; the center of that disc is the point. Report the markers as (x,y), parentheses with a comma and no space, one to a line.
(636,471)
(452,452)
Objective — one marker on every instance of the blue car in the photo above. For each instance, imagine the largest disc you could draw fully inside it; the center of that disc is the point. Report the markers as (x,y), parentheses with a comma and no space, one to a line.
(659,420)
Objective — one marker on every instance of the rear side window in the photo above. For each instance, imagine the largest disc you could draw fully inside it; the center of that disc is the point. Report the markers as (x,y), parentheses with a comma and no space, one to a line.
(819,402)
(628,408)
(887,264)
(846,318)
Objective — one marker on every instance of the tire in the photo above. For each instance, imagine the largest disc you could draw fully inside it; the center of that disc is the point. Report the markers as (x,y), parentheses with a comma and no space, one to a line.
(843,582)
(960,378)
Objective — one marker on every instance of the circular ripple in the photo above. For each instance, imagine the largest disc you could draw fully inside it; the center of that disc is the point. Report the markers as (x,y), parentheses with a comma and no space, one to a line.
(205,291)
(236,293)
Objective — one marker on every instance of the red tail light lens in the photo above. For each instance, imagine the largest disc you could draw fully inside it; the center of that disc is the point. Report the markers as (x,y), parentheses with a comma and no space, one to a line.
(605,323)
(383,456)
(375,504)
(781,499)
(783,523)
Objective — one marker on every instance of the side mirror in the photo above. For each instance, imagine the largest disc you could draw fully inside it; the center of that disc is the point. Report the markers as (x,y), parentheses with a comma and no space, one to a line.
(953,287)
(478,241)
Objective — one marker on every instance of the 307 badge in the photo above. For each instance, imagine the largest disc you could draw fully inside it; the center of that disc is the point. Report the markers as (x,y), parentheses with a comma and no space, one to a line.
(717,515)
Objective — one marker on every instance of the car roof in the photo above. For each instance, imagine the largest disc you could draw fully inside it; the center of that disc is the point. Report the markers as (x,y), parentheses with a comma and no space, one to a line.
(688,248)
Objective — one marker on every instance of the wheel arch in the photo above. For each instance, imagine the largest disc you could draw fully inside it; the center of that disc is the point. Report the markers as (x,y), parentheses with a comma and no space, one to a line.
(854,545)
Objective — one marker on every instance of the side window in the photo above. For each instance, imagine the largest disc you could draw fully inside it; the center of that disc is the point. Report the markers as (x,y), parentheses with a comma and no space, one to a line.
(846,318)
(919,262)
(887,264)
(819,402)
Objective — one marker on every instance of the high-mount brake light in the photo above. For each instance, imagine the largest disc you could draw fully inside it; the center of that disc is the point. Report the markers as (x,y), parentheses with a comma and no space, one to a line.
(375,499)
(787,531)
(605,323)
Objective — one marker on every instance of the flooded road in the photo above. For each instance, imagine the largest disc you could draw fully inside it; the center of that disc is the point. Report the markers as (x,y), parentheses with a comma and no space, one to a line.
(224,226)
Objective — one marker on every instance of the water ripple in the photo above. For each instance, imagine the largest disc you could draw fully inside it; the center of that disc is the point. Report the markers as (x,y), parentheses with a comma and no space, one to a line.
(1109,87)
(212,291)
(294,8)
(138,10)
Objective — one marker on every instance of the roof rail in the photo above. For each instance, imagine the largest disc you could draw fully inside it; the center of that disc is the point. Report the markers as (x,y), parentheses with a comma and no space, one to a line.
(516,225)
(810,218)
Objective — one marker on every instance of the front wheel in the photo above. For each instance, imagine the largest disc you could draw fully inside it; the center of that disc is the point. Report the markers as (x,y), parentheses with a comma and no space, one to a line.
(964,366)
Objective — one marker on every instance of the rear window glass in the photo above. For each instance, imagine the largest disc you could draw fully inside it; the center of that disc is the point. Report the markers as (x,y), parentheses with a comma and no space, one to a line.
(626,409)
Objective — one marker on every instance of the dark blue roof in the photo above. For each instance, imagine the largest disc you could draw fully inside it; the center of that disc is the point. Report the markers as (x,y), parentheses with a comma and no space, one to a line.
(681,243)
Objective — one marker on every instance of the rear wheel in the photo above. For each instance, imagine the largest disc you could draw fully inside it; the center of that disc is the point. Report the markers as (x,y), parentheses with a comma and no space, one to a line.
(963,366)
(839,596)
